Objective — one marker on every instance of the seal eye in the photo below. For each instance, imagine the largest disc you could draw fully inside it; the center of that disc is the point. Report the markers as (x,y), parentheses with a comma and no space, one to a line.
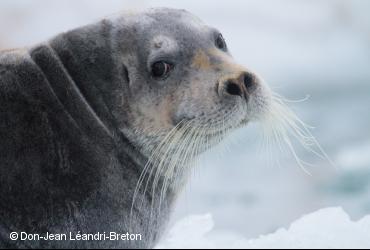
(220,42)
(161,69)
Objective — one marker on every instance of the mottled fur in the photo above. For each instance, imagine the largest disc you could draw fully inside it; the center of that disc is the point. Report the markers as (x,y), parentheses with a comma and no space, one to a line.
(80,114)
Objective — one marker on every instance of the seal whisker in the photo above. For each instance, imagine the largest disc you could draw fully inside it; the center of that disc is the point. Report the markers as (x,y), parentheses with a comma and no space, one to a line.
(190,146)
(181,153)
(164,154)
(149,165)
(281,124)
(161,156)
(186,160)
(302,133)
(164,163)
(179,161)
(291,100)
(176,144)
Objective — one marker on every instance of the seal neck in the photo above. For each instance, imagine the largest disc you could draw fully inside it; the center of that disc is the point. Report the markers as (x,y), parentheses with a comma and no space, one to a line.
(82,74)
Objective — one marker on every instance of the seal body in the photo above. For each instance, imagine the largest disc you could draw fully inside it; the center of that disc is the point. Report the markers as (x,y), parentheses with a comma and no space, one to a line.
(61,171)
(81,114)
(62,167)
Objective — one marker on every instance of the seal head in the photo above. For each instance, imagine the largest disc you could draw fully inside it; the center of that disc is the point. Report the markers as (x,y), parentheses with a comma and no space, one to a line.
(179,69)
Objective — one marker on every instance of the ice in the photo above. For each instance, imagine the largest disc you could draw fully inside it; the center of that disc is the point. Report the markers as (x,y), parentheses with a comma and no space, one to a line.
(325,228)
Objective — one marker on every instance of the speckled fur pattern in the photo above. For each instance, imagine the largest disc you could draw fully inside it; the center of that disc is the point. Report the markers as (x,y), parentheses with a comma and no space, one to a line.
(80,114)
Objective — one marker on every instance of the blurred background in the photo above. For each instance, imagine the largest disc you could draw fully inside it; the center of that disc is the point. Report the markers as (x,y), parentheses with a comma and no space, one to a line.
(300,48)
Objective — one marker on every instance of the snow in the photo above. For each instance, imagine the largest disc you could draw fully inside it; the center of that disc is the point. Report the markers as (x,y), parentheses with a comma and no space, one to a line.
(325,228)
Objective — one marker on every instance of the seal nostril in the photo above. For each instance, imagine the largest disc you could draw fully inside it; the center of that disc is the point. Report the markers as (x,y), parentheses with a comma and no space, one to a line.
(249,82)
(233,88)
(125,73)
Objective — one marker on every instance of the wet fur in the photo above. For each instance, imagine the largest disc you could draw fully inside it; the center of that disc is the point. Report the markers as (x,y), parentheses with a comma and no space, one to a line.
(64,165)
(90,142)
(80,116)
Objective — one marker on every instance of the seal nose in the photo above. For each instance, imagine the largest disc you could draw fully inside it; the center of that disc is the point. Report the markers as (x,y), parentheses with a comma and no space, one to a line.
(241,86)
(233,88)
(250,82)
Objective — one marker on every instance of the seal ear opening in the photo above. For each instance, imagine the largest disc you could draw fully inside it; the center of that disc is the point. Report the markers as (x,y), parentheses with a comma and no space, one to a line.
(125,74)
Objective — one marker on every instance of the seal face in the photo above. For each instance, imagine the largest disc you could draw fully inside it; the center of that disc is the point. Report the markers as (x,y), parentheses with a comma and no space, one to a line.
(100,124)
(181,70)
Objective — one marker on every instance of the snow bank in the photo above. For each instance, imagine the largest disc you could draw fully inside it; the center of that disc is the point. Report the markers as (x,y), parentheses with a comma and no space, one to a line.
(326,228)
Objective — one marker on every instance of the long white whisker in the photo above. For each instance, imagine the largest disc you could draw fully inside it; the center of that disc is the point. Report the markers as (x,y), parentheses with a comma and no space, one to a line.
(283,124)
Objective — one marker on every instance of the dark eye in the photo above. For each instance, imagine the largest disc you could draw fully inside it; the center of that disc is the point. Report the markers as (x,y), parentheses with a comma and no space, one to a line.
(220,42)
(161,69)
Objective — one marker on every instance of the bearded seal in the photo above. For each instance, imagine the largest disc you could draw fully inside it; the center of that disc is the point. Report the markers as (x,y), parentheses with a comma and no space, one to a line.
(98,125)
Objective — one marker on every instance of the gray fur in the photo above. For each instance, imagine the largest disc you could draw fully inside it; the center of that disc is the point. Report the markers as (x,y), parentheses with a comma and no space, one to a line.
(80,114)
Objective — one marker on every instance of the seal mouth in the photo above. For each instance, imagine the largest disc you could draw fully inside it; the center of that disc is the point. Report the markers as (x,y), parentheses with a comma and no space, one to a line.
(210,128)
(222,120)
